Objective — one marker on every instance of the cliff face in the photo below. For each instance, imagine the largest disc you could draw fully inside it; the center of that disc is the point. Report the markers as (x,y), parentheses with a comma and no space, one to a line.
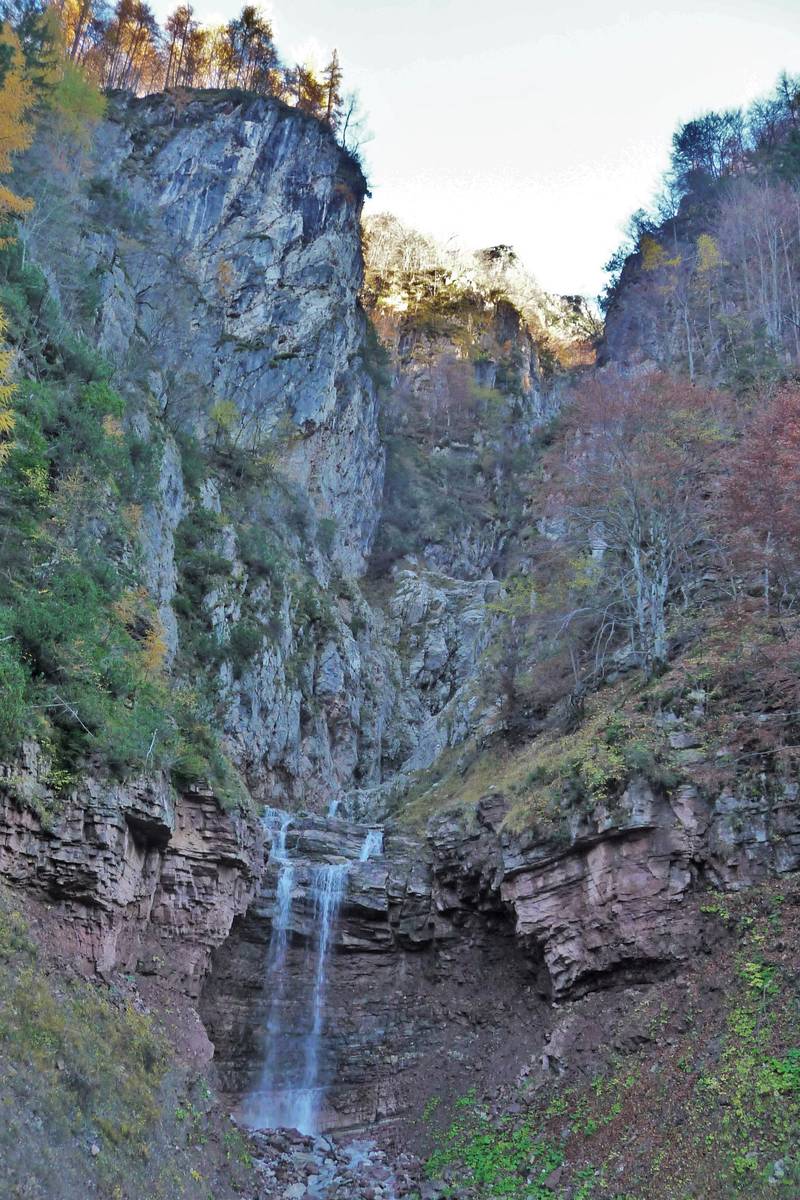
(233,312)
(137,878)
(460,944)
(221,236)
(221,240)
(245,288)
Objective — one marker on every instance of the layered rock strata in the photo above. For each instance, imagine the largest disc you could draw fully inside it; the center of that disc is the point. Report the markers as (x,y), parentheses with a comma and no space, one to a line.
(135,876)
(453,947)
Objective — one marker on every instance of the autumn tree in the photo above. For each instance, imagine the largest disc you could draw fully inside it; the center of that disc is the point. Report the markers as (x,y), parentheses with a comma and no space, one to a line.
(332,79)
(179,27)
(76,18)
(758,499)
(632,488)
(130,46)
(17,98)
(309,91)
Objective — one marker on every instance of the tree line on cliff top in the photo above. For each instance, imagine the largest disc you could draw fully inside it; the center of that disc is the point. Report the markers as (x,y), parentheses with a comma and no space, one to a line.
(123,46)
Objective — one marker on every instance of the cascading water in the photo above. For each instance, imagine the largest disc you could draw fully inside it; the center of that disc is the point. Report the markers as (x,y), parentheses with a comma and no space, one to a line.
(291,1085)
(328,885)
(265,1105)
(373,844)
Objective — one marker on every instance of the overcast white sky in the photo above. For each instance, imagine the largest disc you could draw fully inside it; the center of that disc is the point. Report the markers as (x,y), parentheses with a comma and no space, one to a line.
(543,125)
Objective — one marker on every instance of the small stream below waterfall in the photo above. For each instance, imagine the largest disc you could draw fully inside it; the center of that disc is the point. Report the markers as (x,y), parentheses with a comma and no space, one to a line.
(291,1084)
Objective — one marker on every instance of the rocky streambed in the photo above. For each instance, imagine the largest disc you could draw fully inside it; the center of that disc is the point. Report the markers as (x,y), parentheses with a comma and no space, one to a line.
(293,1166)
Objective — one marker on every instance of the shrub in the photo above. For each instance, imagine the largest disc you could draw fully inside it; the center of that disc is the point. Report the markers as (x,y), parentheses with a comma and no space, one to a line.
(246,640)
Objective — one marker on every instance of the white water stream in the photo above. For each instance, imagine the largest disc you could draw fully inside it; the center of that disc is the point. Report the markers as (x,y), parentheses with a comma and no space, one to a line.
(276,1102)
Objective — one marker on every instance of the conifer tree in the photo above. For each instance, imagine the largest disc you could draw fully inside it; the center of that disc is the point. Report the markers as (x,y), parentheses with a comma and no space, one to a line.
(17,98)
(332,75)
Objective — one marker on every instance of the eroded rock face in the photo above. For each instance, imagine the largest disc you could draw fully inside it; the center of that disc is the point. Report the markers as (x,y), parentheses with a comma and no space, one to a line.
(136,876)
(407,984)
(607,902)
(452,946)
(228,272)
(245,287)
(612,904)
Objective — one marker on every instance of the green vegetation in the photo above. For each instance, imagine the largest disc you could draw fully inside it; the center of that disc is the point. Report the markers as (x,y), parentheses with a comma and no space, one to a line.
(557,774)
(86,1067)
(705,1100)
(78,638)
(493,1159)
(427,497)
(81,645)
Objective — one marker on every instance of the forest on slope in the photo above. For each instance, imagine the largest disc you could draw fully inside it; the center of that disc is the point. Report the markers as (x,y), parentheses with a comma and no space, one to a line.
(664,522)
(650,633)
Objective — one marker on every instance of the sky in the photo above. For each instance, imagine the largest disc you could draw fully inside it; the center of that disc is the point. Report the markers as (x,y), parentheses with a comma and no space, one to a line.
(543,125)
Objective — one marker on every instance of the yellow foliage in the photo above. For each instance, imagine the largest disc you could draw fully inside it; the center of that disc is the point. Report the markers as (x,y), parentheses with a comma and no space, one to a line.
(134,609)
(654,256)
(133,517)
(38,483)
(112,427)
(154,648)
(224,414)
(126,606)
(70,498)
(16,100)
(708,255)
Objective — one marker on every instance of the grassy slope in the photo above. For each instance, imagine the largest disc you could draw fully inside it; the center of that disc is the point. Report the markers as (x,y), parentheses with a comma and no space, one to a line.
(93,1101)
(703,1102)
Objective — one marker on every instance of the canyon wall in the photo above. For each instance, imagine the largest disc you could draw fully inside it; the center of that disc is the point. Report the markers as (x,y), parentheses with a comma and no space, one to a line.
(220,238)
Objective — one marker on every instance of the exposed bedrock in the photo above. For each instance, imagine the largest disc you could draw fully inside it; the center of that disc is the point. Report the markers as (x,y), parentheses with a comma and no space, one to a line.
(245,288)
(452,947)
(135,876)
(409,983)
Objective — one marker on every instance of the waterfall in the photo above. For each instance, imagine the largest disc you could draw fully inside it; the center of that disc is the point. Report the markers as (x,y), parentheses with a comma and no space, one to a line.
(277,822)
(292,1081)
(264,1110)
(328,885)
(373,844)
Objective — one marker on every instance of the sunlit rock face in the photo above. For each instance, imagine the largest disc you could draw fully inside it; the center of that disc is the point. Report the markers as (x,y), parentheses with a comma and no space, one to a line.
(244,286)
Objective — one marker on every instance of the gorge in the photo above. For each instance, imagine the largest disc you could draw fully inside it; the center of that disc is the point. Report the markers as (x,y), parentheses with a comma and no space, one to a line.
(386,863)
